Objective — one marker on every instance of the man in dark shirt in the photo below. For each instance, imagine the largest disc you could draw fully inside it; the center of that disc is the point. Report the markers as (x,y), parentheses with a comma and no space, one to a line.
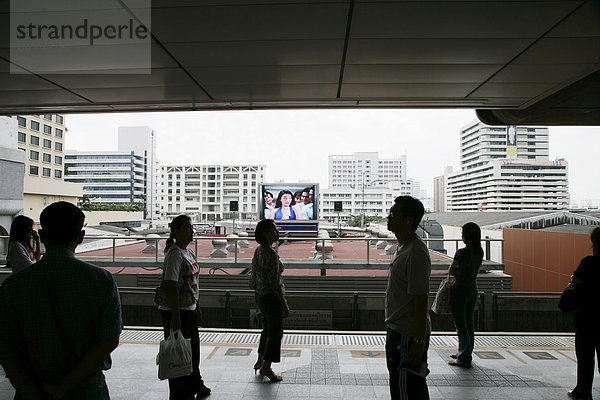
(60,317)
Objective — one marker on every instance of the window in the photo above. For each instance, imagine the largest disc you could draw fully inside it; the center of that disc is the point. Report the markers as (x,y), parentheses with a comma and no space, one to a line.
(33,170)
(57,173)
(34,155)
(47,129)
(47,144)
(22,137)
(48,117)
(35,125)
(59,119)
(22,121)
(57,146)
(58,160)
(46,172)
(34,140)
(47,157)
(58,132)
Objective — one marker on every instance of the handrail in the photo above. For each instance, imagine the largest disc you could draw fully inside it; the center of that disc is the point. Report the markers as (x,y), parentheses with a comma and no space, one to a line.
(126,240)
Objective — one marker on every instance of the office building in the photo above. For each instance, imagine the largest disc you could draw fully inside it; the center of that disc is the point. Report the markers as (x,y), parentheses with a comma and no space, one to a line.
(439,190)
(204,192)
(42,139)
(124,176)
(365,169)
(507,169)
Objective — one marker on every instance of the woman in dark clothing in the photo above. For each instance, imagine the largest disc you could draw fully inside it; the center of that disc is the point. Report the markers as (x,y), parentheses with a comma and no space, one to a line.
(21,252)
(270,297)
(463,295)
(587,326)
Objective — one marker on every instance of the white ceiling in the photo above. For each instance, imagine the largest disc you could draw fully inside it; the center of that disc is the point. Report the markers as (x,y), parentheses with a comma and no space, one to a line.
(245,54)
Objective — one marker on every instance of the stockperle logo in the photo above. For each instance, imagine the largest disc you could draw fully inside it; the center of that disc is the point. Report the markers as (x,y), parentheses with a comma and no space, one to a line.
(80,37)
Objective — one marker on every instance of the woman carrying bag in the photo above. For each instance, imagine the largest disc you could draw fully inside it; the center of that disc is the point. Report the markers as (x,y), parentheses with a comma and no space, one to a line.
(181,271)
(269,289)
(463,295)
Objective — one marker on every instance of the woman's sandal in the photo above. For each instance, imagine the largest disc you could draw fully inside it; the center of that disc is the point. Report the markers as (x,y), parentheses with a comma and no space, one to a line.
(270,374)
(258,365)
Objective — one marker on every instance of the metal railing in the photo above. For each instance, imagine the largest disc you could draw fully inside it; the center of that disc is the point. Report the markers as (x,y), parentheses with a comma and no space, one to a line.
(323,259)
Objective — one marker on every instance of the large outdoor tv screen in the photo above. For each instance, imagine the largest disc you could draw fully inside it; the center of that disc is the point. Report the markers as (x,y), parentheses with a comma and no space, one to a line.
(289,201)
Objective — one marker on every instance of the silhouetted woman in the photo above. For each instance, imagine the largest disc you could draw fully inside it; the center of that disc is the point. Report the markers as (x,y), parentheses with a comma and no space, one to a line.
(23,244)
(181,268)
(463,295)
(587,325)
(270,297)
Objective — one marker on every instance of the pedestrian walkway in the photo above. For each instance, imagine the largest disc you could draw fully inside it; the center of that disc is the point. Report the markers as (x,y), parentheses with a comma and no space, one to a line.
(341,365)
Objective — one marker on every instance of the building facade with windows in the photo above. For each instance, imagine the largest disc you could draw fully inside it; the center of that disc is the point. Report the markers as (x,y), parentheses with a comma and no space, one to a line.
(507,169)
(365,169)
(128,175)
(372,201)
(204,192)
(42,139)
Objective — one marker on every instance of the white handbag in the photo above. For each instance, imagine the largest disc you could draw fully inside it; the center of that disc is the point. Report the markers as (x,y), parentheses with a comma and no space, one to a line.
(174,358)
(441,304)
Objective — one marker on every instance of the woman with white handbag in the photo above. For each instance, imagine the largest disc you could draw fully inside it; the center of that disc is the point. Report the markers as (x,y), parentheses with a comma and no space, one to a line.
(180,273)
(463,295)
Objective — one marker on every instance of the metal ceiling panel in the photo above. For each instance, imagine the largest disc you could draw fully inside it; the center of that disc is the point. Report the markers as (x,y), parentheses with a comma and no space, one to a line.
(529,90)
(143,94)
(407,90)
(164,77)
(272,92)
(294,74)
(538,73)
(584,22)
(434,51)
(483,19)
(419,73)
(244,53)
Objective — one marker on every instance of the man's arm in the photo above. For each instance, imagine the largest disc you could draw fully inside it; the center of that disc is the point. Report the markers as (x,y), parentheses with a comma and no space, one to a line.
(87,365)
(22,378)
(415,352)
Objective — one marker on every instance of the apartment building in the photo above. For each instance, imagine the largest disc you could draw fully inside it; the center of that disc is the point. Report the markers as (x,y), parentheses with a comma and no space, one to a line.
(204,192)
(365,169)
(42,139)
(507,169)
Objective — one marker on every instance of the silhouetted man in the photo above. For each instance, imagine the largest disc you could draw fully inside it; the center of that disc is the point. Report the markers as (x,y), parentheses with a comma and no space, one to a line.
(406,309)
(60,318)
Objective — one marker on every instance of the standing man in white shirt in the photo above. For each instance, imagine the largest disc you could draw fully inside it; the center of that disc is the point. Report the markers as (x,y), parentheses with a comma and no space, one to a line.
(406,309)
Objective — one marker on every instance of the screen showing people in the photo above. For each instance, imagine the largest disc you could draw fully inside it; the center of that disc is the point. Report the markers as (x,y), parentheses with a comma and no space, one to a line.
(288,202)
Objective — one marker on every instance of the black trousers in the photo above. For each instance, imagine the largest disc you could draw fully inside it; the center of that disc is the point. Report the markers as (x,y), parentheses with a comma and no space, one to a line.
(270,337)
(587,345)
(404,384)
(184,387)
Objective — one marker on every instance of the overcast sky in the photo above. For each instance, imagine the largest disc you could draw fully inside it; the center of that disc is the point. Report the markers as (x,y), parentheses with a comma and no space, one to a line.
(294,145)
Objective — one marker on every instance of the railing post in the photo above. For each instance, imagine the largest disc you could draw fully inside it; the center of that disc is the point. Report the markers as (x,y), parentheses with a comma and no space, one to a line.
(502,251)
(228,308)
(488,248)
(368,252)
(196,246)
(235,247)
(156,249)
(114,248)
(323,270)
(355,312)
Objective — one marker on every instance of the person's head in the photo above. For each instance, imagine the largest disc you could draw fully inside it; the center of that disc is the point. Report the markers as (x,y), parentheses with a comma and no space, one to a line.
(306,196)
(310,193)
(182,232)
(62,225)
(21,230)
(268,197)
(595,236)
(471,234)
(266,232)
(405,214)
(285,198)
(298,197)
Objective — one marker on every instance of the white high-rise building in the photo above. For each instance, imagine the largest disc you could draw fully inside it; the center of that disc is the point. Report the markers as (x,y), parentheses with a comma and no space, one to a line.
(204,192)
(128,175)
(365,169)
(439,190)
(506,169)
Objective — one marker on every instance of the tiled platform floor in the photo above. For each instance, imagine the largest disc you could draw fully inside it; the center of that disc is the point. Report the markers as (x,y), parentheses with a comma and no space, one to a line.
(347,372)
